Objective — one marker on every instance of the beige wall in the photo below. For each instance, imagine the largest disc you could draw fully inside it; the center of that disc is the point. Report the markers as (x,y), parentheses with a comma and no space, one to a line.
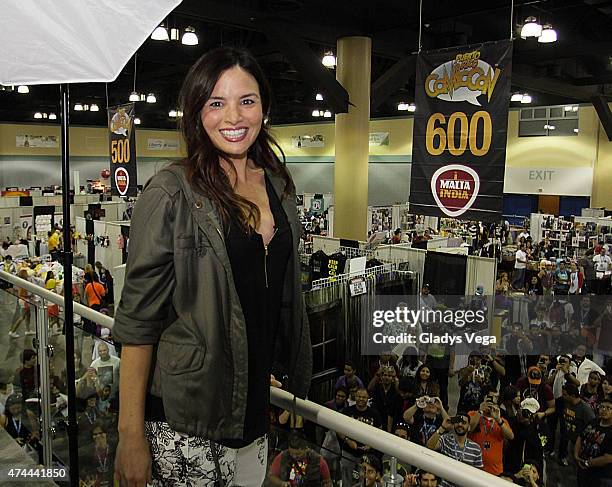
(589,149)
(84,141)
(602,177)
(571,151)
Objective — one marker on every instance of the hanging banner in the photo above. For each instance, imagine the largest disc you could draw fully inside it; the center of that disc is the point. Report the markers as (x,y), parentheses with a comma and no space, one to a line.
(460,130)
(122,141)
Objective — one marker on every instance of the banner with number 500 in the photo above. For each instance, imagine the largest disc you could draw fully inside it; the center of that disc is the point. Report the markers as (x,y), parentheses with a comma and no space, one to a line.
(460,130)
(122,140)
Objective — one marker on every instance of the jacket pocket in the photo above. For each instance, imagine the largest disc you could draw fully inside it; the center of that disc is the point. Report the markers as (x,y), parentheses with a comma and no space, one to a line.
(180,358)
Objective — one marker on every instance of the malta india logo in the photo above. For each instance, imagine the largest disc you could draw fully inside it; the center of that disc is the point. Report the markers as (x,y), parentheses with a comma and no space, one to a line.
(454,188)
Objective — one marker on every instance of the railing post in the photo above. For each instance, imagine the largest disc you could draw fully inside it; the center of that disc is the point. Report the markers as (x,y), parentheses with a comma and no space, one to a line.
(44,351)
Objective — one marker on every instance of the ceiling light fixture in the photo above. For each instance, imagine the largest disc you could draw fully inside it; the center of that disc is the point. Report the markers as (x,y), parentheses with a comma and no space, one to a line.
(575,108)
(576,131)
(94,108)
(38,115)
(136,121)
(151,98)
(319,97)
(23,89)
(52,116)
(172,113)
(189,37)
(402,106)
(160,33)
(134,96)
(551,127)
(411,108)
(516,97)
(567,108)
(78,107)
(327,114)
(531,28)
(179,113)
(526,99)
(548,34)
(316,113)
(329,60)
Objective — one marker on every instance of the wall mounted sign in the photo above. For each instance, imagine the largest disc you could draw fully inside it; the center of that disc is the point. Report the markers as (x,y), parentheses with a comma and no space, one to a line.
(563,181)
(44,141)
(163,144)
(304,141)
(459,142)
(379,138)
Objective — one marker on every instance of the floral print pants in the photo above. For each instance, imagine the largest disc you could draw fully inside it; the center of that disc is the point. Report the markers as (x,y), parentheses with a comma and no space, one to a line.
(183,460)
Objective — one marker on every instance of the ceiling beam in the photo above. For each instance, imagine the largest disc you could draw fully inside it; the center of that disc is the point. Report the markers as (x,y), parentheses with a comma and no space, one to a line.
(561,50)
(302,58)
(594,80)
(392,80)
(526,80)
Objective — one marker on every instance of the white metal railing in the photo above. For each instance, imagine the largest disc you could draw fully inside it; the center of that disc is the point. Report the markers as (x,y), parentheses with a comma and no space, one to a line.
(405,451)
(54,298)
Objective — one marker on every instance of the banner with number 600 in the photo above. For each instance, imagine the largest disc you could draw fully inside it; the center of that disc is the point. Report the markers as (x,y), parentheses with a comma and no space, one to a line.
(460,130)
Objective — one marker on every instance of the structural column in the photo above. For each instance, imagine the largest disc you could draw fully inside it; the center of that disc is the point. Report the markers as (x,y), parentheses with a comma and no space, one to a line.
(352,140)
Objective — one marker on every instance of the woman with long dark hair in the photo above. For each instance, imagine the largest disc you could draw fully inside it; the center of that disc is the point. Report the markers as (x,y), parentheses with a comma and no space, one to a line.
(425,383)
(211,309)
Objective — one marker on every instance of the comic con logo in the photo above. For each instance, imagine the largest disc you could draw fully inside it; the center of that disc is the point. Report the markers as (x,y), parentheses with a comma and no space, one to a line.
(465,78)
(455,188)
(120,123)
(122,180)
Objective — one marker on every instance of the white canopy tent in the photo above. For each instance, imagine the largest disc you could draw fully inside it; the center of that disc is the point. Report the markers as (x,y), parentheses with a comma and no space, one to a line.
(73,41)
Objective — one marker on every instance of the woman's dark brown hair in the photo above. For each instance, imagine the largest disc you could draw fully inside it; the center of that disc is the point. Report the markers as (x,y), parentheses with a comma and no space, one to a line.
(203,169)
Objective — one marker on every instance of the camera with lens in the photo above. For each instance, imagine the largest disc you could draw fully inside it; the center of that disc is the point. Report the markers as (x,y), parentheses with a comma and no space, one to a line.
(525,413)
(423,401)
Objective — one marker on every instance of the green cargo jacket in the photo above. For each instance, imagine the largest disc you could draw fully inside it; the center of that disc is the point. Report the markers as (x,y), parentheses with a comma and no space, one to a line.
(179,295)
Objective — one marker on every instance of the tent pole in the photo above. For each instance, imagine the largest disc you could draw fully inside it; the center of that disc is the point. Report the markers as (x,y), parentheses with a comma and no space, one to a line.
(73,438)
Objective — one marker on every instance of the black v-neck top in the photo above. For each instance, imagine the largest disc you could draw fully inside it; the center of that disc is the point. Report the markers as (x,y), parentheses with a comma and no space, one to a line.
(259,272)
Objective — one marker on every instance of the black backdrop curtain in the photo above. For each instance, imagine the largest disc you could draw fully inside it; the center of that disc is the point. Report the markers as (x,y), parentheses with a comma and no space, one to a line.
(445,273)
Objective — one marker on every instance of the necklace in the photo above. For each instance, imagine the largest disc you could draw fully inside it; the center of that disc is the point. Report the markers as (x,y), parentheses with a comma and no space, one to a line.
(91,418)
(462,450)
(102,465)
(17,428)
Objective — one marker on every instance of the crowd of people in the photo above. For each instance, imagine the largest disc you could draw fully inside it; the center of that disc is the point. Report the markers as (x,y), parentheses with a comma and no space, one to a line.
(96,368)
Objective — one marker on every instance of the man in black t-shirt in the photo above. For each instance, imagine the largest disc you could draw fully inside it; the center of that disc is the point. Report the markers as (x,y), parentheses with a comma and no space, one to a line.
(593,451)
(424,418)
(352,451)
(384,397)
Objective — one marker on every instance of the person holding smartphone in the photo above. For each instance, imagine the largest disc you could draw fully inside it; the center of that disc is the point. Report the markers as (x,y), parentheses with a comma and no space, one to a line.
(490,430)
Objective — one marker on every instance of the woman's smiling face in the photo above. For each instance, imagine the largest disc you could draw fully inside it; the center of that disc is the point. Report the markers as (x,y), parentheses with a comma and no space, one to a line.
(232,117)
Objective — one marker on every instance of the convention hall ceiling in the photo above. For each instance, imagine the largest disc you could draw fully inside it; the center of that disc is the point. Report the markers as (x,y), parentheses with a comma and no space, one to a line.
(289,38)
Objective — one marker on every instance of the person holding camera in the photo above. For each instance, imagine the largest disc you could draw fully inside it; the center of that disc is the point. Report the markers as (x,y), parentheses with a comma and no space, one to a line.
(425,417)
(490,430)
(526,443)
(456,444)
(593,450)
